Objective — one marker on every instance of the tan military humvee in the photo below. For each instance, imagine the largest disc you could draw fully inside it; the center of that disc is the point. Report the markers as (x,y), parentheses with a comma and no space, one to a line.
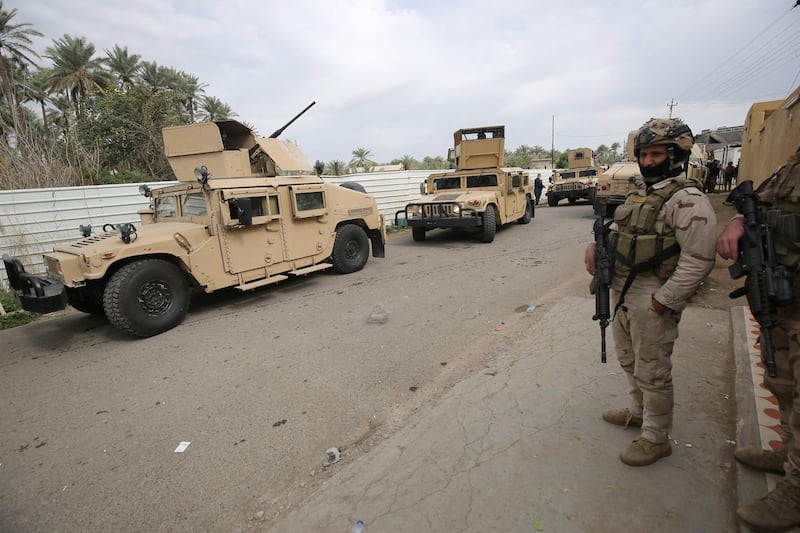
(230,222)
(578,181)
(478,195)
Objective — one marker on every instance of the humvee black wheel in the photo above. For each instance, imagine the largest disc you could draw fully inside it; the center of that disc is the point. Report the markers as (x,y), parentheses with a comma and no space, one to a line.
(353,186)
(418,234)
(526,218)
(552,201)
(572,200)
(489,227)
(88,299)
(350,249)
(146,297)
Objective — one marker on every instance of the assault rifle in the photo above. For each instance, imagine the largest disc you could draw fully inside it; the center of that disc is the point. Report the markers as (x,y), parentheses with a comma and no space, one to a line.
(601,282)
(768,284)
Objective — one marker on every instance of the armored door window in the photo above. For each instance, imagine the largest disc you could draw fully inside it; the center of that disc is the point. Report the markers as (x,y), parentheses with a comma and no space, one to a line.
(166,206)
(308,201)
(259,202)
(516,180)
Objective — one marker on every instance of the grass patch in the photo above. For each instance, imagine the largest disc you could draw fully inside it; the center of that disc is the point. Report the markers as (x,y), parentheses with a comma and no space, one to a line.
(14,315)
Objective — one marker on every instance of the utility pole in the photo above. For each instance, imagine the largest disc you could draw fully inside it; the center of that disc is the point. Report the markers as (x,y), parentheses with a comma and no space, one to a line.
(672,103)
(552,143)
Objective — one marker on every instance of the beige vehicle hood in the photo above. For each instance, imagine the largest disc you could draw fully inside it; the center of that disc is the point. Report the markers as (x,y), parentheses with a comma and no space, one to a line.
(455,196)
(149,239)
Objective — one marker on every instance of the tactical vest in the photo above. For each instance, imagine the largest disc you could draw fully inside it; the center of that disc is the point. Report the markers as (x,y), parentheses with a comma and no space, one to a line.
(635,242)
(785,215)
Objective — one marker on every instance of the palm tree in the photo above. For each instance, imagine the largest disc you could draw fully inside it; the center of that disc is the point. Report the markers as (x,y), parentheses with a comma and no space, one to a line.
(123,65)
(35,90)
(361,158)
(408,162)
(74,71)
(335,167)
(189,87)
(15,41)
(212,109)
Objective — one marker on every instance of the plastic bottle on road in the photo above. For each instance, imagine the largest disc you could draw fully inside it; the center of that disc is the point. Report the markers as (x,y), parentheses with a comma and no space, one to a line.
(358,527)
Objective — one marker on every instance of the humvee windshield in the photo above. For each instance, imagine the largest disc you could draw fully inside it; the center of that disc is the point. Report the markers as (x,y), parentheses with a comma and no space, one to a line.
(447,183)
(586,173)
(567,175)
(484,180)
(192,204)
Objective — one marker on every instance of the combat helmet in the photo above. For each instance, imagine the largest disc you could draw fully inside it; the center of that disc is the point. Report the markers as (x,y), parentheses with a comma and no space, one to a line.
(678,138)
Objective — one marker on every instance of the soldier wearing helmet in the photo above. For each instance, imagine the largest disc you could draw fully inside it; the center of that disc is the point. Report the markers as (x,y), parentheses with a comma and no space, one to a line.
(662,244)
(780,508)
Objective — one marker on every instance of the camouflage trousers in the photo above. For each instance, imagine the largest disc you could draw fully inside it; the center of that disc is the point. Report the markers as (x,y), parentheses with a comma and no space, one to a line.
(644,342)
(786,388)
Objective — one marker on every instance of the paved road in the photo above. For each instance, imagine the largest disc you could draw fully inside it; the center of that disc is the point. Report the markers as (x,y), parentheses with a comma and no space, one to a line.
(260,383)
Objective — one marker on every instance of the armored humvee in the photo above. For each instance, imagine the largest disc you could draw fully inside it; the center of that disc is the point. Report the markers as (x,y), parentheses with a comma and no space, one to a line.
(232,221)
(578,181)
(478,195)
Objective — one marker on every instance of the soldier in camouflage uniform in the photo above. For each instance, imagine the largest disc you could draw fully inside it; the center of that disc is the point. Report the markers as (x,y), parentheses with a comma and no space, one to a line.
(780,508)
(662,244)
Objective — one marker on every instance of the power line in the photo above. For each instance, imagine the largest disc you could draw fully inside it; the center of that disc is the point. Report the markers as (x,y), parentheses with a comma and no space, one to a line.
(704,78)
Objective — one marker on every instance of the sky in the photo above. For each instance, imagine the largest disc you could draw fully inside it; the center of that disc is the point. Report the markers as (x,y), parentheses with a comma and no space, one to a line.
(399,77)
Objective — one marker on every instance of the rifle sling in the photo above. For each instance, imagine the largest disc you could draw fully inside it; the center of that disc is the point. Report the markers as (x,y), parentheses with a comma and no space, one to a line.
(636,269)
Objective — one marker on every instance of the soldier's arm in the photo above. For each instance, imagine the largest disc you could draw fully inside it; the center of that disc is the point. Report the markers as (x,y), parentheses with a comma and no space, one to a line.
(690,213)
(728,242)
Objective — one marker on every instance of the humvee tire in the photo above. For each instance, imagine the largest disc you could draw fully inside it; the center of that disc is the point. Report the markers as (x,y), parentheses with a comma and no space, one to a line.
(489,227)
(552,201)
(572,200)
(350,249)
(88,299)
(526,218)
(146,297)
(418,234)
(353,186)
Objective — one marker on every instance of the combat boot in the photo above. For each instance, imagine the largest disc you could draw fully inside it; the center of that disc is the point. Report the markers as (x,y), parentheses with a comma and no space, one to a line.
(643,452)
(766,460)
(777,511)
(622,417)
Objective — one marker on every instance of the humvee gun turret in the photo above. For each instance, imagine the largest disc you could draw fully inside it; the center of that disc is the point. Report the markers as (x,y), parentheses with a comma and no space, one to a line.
(577,182)
(478,195)
(232,221)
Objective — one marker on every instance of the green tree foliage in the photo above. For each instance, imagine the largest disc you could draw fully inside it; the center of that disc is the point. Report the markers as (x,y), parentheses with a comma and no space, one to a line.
(407,161)
(76,72)
(361,158)
(15,49)
(125,127)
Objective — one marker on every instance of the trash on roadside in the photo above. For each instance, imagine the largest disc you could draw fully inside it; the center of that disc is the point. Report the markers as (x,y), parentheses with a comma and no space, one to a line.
(379,315)
(709,325)
(531,308)
(730,441)
(333,455)
(688,444)
(182,446)
(538,526)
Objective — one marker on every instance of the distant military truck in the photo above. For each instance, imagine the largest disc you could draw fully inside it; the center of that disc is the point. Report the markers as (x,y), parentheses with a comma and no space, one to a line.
(232,221)
(613,185)
(478,195)
(578,181)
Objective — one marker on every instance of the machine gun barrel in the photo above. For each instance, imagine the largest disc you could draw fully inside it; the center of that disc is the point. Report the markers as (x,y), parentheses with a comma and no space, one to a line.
(601,282)
(280,130)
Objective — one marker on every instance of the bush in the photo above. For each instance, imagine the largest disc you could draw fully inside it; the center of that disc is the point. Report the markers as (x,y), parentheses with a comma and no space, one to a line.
(14,316)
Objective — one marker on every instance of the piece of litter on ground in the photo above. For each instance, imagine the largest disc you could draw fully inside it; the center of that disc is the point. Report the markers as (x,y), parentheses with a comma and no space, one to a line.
(730,441)
(379,315)
(709,325)
(688,445)
(531,308)
(65,488)
(538,526)
(333,455)
(182,446)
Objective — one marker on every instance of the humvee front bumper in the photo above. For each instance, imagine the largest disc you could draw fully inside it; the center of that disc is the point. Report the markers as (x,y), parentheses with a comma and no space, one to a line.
(36,294)
(438,215)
